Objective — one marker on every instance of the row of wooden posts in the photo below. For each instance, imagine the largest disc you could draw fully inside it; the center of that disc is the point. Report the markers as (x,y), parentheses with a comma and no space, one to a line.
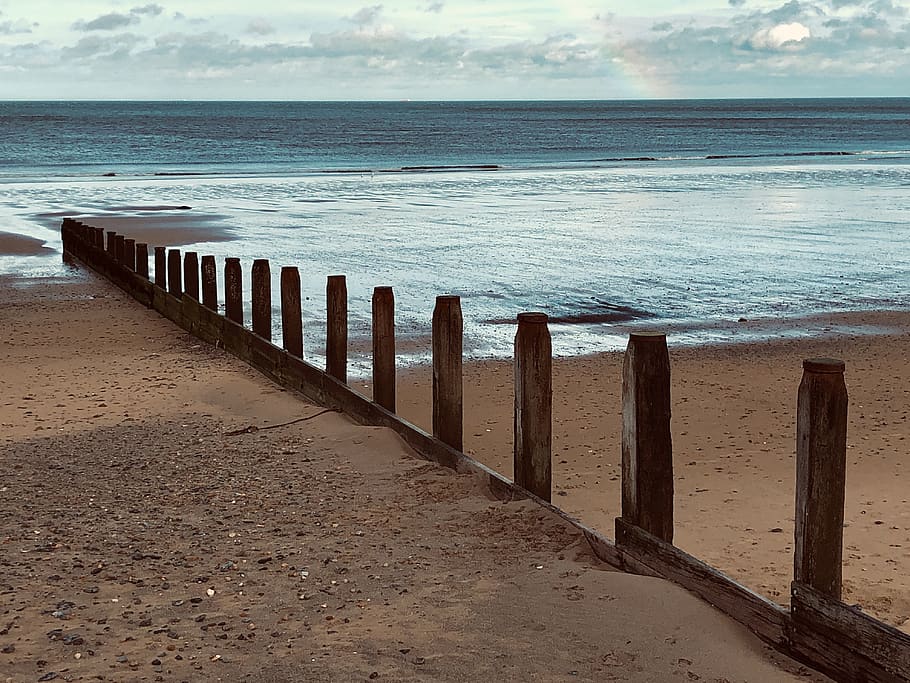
(818,627)
(647,464)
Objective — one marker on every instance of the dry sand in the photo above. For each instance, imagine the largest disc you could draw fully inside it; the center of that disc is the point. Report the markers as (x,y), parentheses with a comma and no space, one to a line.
(141,541)
(734,438)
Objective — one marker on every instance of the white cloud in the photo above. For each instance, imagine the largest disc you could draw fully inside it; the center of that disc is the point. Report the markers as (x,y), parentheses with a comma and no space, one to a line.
(781,36)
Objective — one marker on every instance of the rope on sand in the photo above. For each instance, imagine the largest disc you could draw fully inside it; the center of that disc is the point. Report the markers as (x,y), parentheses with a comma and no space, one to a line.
(254,428)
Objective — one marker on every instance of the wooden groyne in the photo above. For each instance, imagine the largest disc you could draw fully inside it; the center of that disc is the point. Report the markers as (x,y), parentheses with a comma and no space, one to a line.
(818,628)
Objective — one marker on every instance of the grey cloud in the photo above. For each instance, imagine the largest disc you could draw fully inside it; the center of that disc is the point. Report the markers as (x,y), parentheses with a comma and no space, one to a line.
(148,10)
(12,28)
(662,26)
(260,27)
(366,15)
(96,46)
(106,22)
(736,3)
(435,7)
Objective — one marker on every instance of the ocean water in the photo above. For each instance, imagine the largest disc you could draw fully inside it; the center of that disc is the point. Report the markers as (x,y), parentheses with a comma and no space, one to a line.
(608,216)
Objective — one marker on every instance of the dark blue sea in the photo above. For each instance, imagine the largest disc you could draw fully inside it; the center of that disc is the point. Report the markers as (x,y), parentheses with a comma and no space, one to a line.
(687,215)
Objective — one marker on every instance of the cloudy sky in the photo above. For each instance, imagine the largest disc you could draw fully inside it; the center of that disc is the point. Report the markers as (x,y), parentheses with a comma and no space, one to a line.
(452,49)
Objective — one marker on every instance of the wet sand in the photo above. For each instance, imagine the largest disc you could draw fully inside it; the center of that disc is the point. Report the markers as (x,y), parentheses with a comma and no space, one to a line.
(143,538)
(12,244)
(733,428)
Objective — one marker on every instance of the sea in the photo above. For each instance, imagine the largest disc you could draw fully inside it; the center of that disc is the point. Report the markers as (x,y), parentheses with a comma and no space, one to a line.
(717,221)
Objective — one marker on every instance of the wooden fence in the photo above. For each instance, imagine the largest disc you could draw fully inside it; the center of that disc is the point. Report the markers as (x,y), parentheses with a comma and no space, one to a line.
(818,628)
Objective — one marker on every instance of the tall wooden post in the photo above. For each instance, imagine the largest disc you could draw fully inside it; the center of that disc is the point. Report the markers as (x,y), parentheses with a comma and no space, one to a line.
(174,280)
(119,248)
(129,254)
(533,405)
(233,290)
(111,238)
(99,238)
(262,299)
(647,451)
(209,283)
(291,313)
(384,347)
(161,267)
(191,274)
(448,390)
(142,259)
(336,343)
(821,461)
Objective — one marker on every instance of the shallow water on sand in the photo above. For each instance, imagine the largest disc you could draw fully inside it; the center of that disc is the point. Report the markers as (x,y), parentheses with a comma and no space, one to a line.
(692,247)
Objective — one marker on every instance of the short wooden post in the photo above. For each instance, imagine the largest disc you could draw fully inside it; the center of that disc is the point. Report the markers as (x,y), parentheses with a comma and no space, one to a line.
(161,267)
(129,254)
(209,283)
(336,342)
(647,451)
(291,313)
(174,281)
(119,248)
(448,389)
(262,299)
(191,274)
(533,405)
(111,238)
(99,238)
(821,461)
(384,347)
(142,259)
(233,290)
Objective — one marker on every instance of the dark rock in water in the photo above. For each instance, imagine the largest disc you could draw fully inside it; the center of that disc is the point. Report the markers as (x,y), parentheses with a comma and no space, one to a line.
(183,208)
(108,175)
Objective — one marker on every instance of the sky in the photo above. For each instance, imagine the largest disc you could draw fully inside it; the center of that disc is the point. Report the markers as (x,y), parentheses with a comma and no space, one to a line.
(452,49)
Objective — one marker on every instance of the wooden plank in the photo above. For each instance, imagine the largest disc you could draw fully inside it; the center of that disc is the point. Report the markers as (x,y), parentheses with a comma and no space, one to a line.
(533,415)
(766,619)
(262,298)
(336,336)
(291,311)
(844,642)
(647,451)
(821,466)
(383,309)
(448,384)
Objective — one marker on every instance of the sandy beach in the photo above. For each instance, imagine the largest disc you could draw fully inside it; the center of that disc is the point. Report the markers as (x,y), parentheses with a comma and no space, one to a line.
(733,428)
(146,534)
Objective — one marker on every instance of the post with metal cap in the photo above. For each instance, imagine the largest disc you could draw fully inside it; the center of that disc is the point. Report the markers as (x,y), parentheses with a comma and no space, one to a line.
(262,299)
(233,290)
(821,461)
(448,388)
(647,450)
(191,274)
(142,259)
(291,313)
(129,254)
(161,267)
(533,405)
(209,283)
(174,280)
(384,347)
(336,341)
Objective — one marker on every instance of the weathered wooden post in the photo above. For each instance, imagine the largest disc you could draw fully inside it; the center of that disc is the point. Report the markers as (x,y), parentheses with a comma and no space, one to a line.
(233,290)
(118,248)
(142,259)
(262,299)
(209,283)
(821,460)
(647,451)
(129,254)
(99,238)
(191,274)
(111,235)
(174,281)
(448,390)
(384,347)
(291,313)
(160,267)
(533,405)
(336,342)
